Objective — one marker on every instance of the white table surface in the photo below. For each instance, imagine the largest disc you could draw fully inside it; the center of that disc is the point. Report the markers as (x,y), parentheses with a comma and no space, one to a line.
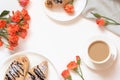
(60,42)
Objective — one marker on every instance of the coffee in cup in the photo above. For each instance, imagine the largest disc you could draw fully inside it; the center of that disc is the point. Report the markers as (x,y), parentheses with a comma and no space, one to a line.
(99,51)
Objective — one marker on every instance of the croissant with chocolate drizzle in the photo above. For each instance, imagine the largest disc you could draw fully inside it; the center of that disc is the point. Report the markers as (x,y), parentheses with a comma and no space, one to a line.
(17,69)
(39,72)
(56,3)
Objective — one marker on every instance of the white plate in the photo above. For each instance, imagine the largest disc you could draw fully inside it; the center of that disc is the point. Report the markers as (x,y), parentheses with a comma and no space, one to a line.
(61,15)
(103,65)
(34,59)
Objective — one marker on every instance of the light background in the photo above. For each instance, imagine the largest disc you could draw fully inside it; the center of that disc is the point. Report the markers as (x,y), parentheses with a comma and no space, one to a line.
(60,42)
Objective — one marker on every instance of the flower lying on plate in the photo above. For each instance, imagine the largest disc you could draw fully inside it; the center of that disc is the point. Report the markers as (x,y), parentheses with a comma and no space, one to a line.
(12,27)
(69,8)
(75,66)
(67,5)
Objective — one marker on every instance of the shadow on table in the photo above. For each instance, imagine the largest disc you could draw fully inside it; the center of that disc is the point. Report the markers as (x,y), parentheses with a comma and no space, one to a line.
(109,71)
(69,22)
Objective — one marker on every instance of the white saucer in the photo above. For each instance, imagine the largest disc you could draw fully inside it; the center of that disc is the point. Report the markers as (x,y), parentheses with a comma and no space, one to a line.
(61,15)
(102,66)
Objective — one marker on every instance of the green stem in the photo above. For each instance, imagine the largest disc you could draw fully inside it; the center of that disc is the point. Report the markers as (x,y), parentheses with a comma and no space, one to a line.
(113,23)
(80,70)
(100,16)
(3,18)
(68,79)
(96,15)
(3,34)
(116,23)
(81,76)
(7,19)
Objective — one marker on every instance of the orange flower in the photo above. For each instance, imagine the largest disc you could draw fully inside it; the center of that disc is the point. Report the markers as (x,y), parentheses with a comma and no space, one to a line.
(25,14)
(75,67)
(69,8)
(16,16)
(101,22)
(12,28)
(2,23)
(13,44)
(24,25)
(24,2)
(23,33)
(66,74)
(10,47)
(1,43)
(13,38)
(72,65)
(78,60)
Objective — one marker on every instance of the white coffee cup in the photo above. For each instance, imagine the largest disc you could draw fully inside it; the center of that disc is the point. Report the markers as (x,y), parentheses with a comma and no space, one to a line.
(99,51)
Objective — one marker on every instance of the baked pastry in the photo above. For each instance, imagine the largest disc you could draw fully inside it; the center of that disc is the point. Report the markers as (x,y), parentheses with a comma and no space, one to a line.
(17,69)
(39,72)
(56,3)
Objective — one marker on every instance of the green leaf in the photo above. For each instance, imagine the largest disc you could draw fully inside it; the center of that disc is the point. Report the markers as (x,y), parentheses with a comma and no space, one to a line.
(4,13)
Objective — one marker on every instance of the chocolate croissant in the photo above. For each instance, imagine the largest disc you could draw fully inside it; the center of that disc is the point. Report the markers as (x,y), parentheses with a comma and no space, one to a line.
(56,3)
(39,72)
(17,69)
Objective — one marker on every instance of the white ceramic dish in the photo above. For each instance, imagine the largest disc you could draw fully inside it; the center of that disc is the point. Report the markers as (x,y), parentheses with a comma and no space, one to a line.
(107,64)
(61,15)
(34,59)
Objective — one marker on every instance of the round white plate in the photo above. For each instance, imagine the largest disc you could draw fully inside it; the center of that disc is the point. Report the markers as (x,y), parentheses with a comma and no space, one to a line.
(103,65)
(61,15)
(34,59)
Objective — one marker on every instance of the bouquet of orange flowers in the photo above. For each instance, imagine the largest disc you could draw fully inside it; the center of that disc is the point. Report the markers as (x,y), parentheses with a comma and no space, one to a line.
(12,27)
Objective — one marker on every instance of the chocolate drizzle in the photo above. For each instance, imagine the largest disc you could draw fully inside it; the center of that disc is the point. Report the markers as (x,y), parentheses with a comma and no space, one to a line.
(16,70)
(58,1)
(32,76)
(37,75)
